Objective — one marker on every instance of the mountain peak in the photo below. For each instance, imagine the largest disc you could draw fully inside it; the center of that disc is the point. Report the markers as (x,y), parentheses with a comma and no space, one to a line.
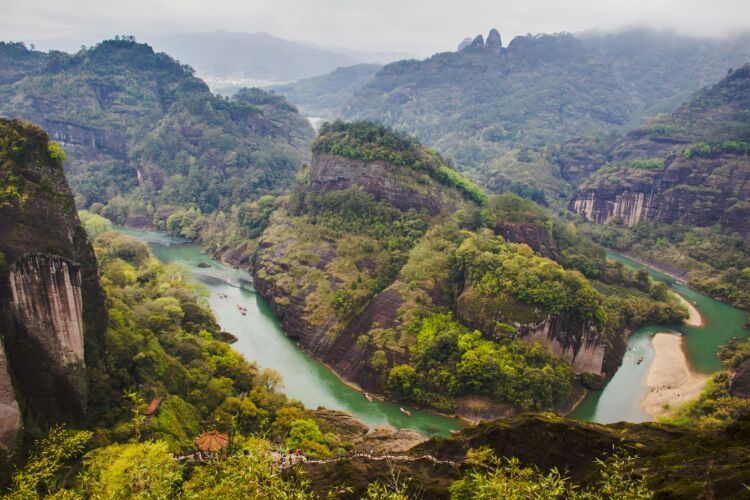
(494,42)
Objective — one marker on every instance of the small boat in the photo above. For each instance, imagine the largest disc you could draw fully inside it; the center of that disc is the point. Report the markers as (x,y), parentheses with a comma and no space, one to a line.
(369,398)
(454,431)
(640,360)
(405,412)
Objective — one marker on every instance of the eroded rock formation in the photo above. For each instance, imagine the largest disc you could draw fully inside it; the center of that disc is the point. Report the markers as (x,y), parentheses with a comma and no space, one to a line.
(52,312)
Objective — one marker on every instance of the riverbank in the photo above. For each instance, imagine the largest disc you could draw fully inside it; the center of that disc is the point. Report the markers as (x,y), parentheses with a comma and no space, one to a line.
(671,381)
(673,272)
(694,318)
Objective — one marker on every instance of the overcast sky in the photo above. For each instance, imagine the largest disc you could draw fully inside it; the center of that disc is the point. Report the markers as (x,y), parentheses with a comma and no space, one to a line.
(415,26)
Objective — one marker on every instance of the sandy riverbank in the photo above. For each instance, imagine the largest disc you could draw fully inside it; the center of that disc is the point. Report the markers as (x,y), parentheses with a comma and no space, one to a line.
(695,318)
(671,382)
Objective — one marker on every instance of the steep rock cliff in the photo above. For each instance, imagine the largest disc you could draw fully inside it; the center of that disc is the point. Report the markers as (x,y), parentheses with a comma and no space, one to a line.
(580,342)
(52,309)
(366,249)
(691,167)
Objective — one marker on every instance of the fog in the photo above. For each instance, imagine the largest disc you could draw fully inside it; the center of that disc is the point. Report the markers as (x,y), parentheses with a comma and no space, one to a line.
(415,26)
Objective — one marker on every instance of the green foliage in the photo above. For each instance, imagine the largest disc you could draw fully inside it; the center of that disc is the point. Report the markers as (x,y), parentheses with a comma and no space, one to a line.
(162,341)
(649,164)
(305,434)
(590,85)
(507,478)
(716,406)
(94,224)
(167,141)
(369,141)
(57,153)
(448,356)
(496,266)
(244,474)
(511,208)
(133,470)
(718,263)
(51,455)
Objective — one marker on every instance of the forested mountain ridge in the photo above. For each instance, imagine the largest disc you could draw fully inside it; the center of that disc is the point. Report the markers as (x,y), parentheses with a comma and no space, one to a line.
(324,96)
(492,109)
(386,264)
(145,136)
(681,178)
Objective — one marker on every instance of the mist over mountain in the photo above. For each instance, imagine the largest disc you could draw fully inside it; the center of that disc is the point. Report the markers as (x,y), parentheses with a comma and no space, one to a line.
(259,56)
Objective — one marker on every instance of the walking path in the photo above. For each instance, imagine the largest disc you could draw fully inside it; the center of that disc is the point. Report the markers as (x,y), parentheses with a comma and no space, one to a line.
(291,459)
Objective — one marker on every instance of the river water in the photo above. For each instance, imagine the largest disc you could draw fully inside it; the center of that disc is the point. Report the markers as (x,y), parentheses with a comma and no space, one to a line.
(621,398)
(261,339)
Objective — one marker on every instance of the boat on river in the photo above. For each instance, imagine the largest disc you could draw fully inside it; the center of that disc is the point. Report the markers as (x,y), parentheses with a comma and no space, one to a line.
(405,412)
(368,397)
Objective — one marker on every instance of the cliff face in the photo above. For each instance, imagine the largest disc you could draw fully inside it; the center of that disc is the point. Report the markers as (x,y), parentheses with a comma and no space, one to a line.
(690,167)
(579,342)
(383,180)
(298,263)
(365,252)
(52,307)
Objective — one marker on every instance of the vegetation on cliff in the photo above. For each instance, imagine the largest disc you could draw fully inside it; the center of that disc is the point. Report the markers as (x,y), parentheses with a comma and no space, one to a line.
(145,137)
(692,172)
(369,141)
(348,271)
(496,113)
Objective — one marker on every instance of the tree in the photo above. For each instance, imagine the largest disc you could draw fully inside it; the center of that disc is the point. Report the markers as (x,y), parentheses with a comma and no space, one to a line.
(402,381)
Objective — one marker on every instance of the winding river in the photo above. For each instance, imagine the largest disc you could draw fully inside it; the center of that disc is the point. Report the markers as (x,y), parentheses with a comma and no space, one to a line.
(261,339)
(621,398)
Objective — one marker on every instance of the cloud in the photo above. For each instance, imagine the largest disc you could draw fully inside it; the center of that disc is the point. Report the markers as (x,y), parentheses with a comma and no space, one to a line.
(416,26)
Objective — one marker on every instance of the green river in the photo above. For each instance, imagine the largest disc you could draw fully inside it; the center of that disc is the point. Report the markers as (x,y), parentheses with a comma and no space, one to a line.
(621,397)
(261,339)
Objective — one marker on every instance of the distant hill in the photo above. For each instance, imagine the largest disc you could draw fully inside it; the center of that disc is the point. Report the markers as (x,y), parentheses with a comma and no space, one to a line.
(491,107)
(259,56)
(324,96)
(145,136)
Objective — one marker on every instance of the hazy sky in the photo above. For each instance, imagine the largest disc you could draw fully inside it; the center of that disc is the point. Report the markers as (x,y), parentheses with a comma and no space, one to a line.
(415,26)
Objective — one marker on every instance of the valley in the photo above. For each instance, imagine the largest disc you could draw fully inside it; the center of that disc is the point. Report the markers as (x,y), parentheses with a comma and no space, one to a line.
(260,339)
(506,269)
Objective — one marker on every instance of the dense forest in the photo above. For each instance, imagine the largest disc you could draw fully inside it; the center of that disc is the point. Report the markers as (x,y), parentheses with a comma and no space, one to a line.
(357,269)
(675,191)
(469,277)
(145,137)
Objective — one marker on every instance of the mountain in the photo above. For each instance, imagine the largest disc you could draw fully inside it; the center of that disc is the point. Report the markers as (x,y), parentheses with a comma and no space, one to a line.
(144,135)
(681,178)
(492,108)
(688,167)
(258,57)
(324,96)
(52,310)
(381,241)
(140,377)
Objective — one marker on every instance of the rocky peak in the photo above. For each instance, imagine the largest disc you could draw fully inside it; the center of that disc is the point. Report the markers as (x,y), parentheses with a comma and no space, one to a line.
(478,42)
(464,43)
(494,42)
